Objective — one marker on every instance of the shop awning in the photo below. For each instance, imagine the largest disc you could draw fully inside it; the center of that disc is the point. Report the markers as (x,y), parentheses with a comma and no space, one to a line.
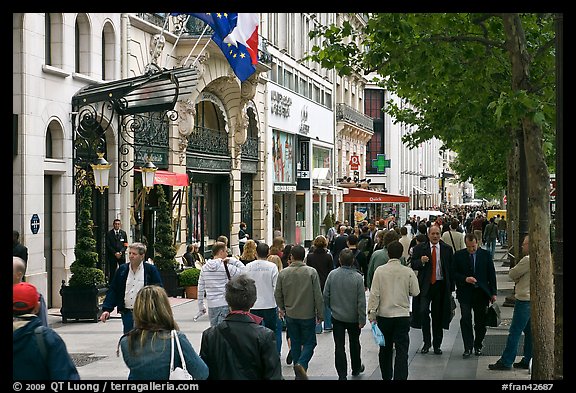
(359,195)
(169,178)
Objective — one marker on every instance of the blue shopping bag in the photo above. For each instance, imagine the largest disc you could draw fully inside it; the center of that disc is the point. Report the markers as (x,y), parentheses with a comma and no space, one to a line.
(377,334)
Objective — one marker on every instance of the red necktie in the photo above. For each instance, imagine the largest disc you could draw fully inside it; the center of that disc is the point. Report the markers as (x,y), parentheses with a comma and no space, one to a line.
(433,278)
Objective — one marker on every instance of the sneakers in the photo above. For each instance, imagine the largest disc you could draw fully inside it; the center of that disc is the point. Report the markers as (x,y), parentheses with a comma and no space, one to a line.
(499,366)
(300,372)
(289,357)
(522,364)
(358,372)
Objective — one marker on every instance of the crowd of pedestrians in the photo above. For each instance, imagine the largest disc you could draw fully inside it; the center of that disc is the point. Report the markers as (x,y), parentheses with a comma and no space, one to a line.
(271,293)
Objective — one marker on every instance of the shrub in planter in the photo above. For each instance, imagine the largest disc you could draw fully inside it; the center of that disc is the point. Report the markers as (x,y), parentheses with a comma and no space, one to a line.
(189,277)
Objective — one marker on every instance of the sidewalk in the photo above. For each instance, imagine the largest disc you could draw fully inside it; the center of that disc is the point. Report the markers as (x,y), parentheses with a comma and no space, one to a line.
(93,346)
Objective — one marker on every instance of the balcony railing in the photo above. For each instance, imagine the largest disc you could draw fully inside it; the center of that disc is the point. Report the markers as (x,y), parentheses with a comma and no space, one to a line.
(250,148)
(209,141)
(347,113)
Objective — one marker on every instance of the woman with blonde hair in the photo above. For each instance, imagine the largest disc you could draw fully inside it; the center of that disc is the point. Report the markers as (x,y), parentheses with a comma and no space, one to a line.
(276,260)
(146,349)
(249,252)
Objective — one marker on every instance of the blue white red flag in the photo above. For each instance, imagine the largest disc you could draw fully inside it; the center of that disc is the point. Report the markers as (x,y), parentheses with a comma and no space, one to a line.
(237,36)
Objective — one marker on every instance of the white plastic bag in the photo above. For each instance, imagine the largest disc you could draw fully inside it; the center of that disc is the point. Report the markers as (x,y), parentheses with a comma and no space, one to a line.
(377,334)
(178,373)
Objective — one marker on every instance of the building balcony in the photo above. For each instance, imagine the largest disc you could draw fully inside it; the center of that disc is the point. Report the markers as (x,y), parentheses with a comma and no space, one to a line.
(353,123)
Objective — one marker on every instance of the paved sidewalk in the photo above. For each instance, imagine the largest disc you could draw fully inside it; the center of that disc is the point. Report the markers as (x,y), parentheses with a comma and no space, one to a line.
(93,346)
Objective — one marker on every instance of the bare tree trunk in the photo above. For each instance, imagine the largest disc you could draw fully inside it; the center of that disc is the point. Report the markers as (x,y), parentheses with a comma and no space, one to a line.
(541,280)
(513,207)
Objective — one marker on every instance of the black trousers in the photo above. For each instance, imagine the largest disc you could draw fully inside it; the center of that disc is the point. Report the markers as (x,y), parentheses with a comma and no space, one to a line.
(339,329)
(432,307)
(478,304)
(396,336)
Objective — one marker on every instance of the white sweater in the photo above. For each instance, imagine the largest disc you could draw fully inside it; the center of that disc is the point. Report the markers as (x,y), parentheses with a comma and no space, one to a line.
(213,280)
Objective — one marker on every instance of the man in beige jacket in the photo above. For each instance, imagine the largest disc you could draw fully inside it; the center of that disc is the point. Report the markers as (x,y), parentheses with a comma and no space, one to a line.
(520,273)
(389,306)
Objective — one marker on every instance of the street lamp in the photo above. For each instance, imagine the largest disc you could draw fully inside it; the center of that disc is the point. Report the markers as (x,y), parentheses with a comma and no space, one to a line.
(148,172)
(101,172)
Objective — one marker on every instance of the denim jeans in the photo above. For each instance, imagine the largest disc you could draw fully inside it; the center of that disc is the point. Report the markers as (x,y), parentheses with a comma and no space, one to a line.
(327,320)
(302,339)
(217,314)
(520,323)
(272,322)
(491,246)
(502,236)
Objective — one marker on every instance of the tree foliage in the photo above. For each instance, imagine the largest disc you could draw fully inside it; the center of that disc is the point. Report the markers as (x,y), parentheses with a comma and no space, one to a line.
(84,270)
(164,249)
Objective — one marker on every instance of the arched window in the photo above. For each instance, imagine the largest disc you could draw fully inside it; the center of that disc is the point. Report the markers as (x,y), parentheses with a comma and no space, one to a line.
(82,45)
(53,40)
(108,52)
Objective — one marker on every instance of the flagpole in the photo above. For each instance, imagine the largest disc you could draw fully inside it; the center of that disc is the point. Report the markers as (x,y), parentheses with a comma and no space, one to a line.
(177,39)
(196,44)
(197,57)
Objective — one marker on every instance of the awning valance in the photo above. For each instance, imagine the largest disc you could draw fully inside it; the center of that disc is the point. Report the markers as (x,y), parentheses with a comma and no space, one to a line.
(359,195)
(170,178)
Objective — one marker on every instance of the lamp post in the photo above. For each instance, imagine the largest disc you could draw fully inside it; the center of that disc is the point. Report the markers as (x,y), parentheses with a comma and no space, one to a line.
(148,173)
(101,172)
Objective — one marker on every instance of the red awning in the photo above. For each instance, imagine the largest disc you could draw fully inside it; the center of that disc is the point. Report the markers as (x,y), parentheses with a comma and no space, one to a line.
(359,195)
(169,178)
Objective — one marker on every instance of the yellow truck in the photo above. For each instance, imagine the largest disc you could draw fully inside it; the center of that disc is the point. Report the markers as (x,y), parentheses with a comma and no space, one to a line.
(494,213)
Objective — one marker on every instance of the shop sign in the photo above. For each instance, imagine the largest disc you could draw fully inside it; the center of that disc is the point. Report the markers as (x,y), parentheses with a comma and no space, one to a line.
(280,104)
(354,162)
(284,188)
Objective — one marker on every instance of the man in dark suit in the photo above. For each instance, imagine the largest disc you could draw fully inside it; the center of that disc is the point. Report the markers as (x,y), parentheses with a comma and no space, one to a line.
(433,262)
(475,279)
(340,243)
(116,244)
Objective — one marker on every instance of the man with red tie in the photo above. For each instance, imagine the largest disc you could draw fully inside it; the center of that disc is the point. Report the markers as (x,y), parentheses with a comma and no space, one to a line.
(433,262)
(475,278)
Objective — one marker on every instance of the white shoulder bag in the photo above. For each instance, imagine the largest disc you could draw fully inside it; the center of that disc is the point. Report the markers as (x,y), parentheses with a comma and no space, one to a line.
(178,373)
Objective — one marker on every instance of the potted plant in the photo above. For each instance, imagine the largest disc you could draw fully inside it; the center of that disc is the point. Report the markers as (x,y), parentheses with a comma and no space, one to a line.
(188,279)
(164,249)
(83,296)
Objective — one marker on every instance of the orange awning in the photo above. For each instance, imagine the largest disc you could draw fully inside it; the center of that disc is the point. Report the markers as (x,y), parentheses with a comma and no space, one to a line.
(359,195)
(169,178)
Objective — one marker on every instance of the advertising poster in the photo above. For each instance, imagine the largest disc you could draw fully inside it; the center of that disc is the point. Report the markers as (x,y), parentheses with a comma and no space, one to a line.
(283,156)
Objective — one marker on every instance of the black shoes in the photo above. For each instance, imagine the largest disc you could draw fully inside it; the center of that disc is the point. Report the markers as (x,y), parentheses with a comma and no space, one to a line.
(342,378)
(289,357)
(437,351)
(358,372)
(425,349)
(467,353)
(477,351)
(522,364)
(499,366)
(300,372)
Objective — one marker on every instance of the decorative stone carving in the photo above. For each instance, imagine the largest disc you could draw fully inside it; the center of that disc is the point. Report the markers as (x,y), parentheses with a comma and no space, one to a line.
(187,112)
(156,47)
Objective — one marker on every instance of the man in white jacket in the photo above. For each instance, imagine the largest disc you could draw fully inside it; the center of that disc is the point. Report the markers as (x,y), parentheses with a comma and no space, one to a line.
(212,282)
(454,238)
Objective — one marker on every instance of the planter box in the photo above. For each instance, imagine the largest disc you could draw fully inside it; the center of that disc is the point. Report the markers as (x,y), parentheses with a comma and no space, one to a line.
(191,292)
(82,303)
(170,283)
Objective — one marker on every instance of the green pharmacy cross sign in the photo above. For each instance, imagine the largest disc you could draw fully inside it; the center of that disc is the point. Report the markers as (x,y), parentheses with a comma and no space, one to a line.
(381,163)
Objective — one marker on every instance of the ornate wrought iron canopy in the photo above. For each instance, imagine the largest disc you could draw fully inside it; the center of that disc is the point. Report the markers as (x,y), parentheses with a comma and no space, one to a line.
(142,106)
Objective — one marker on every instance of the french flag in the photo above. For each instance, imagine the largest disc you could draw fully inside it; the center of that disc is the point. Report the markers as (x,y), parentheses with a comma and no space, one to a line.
(237,36)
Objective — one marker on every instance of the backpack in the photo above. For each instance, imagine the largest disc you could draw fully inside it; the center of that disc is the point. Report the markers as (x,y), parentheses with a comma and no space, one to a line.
(363,246)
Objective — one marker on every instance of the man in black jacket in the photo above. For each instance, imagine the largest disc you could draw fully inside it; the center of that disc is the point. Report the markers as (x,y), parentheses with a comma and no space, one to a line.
(433,261)
(475,278)
(18,249)
(134,275)
(116,243)
(239,347)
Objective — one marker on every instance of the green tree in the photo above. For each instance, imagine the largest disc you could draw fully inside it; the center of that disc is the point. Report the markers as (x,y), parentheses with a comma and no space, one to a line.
(477,82)
(164,249)
(84,270)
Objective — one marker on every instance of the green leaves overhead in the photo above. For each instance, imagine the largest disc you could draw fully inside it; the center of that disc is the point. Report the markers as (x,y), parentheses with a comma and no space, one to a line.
(454,71)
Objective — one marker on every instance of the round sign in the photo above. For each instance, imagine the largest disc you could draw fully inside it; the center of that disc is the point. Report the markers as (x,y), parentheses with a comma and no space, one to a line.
(35,223)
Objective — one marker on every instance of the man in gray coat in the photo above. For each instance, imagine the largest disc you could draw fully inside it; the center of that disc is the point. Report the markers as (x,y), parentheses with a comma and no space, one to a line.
(344,296)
